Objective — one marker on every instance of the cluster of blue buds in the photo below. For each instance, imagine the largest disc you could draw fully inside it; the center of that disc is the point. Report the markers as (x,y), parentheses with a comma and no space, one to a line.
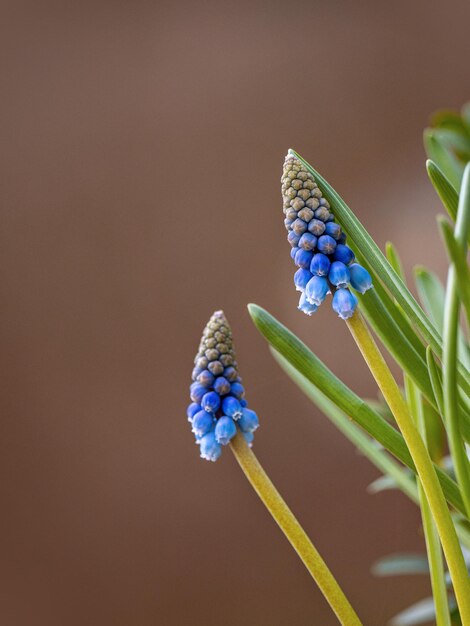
(218,408)
(325,263)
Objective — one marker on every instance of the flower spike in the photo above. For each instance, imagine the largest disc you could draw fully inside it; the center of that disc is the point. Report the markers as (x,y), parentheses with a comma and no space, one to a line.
(218,409)
(318,245)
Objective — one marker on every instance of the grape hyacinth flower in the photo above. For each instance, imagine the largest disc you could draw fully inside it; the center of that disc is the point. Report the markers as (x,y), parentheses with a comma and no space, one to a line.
(326,264)
(218,408)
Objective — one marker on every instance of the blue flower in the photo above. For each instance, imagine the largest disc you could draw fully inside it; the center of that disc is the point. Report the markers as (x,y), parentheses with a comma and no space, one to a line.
(248,422)
(303,258)
(344,254)
(205,378)
(210,402)
(344,303)
(339,274)
(196,392)
(308,241)
(316,227)
(232,407)
(222,386)
(318,245)
(293,252)
(210,449)
(202,423)
(238,390)
(301,278)
(326,244)
(218,409)
(333,229)
(293,239)
(360,278)
(316,290)
(192,409)
(225,429)
(230,373)
(320,264)
(305,306)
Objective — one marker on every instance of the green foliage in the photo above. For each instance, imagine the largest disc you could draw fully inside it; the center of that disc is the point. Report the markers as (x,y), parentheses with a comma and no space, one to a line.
(417,338)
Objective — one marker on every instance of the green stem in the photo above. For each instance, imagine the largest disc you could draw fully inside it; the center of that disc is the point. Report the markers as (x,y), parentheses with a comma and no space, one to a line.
(431,536)
(422,461)
(449,356)
(294,532)
(449,386)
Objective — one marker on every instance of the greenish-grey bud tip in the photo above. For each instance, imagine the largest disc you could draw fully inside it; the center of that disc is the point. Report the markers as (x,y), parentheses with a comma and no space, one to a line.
(216,347)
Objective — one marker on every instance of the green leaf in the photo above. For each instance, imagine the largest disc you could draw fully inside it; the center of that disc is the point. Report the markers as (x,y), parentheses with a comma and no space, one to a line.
(365,444)
(437,143)
(394,259)
(383,483)
(432,295)
(445,190)
(400,564)
(457,256)
(375,258)
(310,366)
(422,612)
(435,379)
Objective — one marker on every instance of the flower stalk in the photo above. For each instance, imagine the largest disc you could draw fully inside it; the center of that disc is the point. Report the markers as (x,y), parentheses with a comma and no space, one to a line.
(422,461)
(294,532)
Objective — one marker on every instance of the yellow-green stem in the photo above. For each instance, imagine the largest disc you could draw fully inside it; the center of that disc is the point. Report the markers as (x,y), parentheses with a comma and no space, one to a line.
(431,536)
(422,461)
(294,532)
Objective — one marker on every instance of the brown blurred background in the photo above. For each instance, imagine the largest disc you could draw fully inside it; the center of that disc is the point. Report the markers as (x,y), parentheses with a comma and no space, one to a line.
(141,151)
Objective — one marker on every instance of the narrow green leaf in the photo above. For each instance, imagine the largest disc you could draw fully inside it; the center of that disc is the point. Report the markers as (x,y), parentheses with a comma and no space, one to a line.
(364,242)
(308,364)
(383,483)
(365,444)
(432,295)
(445,190)
(422,612)
(457,256)
(394,259)
(435,379)
(400,564)
(437,149)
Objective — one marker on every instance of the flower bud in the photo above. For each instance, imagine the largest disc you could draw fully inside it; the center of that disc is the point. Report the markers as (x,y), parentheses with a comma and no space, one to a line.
(320,264)
(232,407)
(305,306)
(361,280)
(301,278)
(248,421)
(316,227)
(308,241)
(318,245)
(202,423)
(339,274)
(317,290)
(333,229)
(344,254)
(326,244)
(225,429)
(344,303)
(303,258)
(210,449)
(216,391)
(192,409)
